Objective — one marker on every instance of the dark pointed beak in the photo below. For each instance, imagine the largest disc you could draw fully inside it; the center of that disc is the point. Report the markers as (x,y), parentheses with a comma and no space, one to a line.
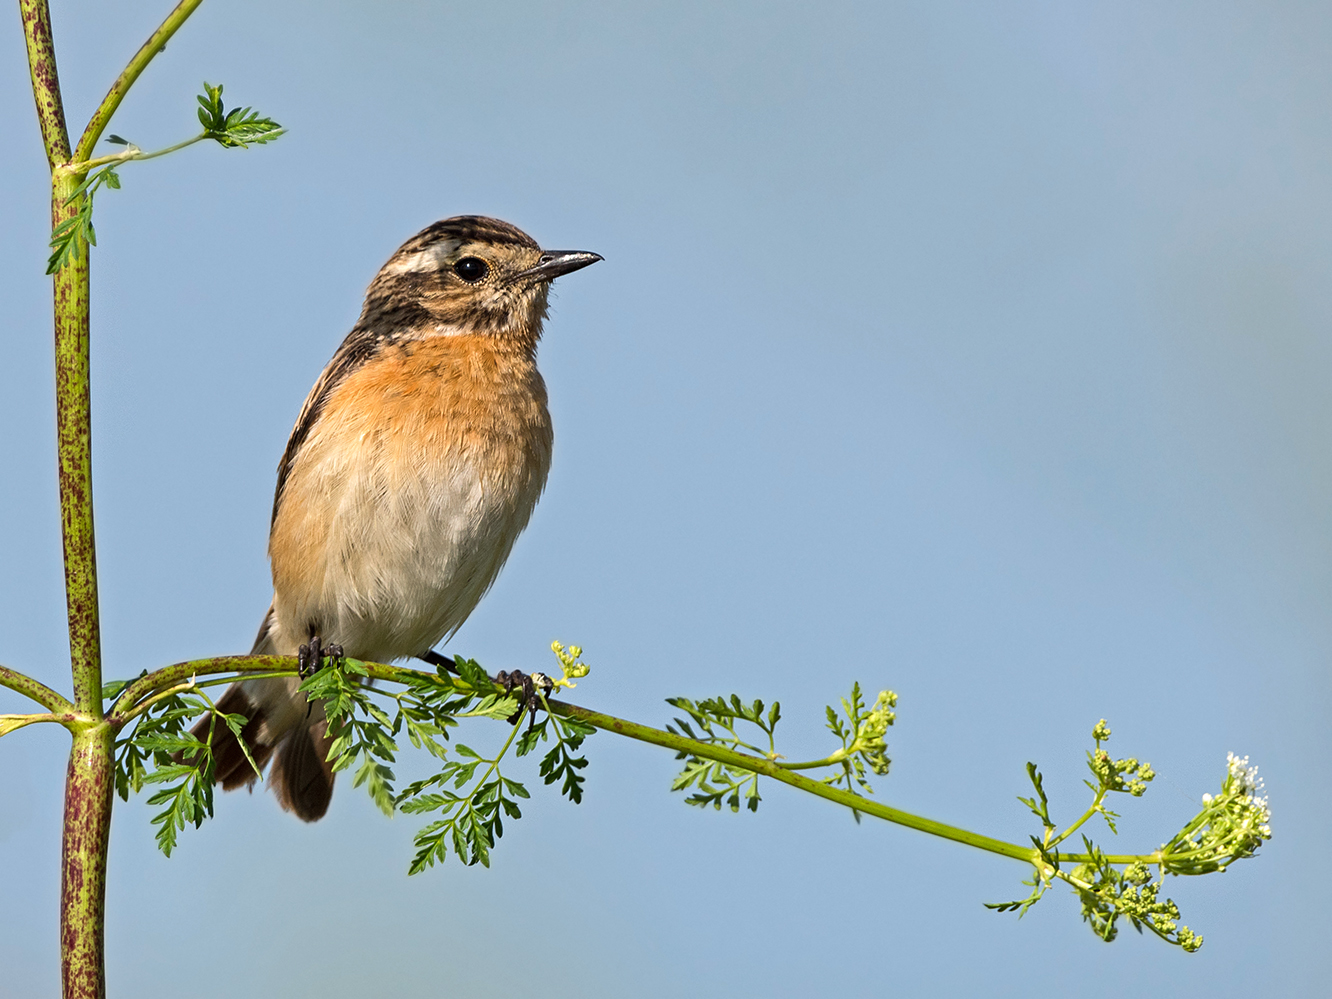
(553,263)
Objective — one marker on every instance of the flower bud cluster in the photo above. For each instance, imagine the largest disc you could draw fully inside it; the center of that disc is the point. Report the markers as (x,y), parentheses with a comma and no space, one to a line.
(1128,775)
(870,733)
(1108,894)
(571,668)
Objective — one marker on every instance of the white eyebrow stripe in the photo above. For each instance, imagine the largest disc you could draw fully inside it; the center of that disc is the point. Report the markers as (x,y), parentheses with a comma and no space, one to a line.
(429,259)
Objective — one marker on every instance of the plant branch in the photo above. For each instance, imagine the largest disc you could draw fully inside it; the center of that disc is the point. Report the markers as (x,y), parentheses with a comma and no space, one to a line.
(1095,807)
(12,723)
(45,80)
(170,676)
(156,42)
(80,167)
(827,761)
(776,771)
(34,690)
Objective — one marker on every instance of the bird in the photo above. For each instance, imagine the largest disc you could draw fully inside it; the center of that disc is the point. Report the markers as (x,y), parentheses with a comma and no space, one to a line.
(415,463)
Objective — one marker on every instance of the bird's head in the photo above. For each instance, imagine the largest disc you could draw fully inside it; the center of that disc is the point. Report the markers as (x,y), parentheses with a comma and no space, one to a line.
(468,274)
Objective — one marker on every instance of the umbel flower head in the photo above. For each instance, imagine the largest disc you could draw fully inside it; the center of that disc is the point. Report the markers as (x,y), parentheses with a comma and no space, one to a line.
(1230,827)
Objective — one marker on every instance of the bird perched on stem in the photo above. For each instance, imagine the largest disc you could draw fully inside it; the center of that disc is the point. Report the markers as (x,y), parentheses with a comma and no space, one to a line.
(415,463)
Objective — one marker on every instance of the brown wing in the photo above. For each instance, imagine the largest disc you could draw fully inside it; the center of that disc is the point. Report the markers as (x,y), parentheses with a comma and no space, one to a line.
(359,347)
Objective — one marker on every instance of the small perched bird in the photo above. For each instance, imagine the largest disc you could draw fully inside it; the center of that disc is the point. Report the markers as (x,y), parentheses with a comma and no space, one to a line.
(415,463)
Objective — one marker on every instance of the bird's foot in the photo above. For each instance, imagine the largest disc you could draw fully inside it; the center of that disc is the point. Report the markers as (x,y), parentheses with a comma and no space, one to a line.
(310,658)
(530,683)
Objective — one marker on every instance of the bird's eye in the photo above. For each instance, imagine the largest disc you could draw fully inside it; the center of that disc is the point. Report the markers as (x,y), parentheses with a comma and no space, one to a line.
(471,269)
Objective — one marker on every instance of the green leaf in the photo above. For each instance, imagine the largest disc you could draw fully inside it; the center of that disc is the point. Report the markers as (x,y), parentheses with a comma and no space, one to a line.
(471,673)
(68,237)
(529,739)
(239,127)
(169,772)
(170,743)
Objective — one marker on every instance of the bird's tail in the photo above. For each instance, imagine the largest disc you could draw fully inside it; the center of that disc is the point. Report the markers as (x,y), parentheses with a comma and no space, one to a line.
(282,726)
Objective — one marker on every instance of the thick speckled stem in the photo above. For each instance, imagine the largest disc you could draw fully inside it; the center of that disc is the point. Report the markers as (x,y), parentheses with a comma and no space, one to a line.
(45,80)
(88,786)
(88,781)
(74,440)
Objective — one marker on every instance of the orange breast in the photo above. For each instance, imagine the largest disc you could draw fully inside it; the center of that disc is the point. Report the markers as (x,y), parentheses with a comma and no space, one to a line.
(405,498)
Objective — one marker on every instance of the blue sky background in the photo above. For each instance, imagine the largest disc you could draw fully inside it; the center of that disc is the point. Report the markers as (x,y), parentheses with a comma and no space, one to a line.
(976,351)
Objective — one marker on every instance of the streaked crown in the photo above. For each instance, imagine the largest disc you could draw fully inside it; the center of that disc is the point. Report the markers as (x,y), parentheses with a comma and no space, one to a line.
(468,274)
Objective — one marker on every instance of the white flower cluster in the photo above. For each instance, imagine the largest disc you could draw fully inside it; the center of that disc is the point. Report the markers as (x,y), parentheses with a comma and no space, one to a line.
(1240,770)
(1249,783)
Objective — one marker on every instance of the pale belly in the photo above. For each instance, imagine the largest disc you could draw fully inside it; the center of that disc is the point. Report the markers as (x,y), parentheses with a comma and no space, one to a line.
(390,561)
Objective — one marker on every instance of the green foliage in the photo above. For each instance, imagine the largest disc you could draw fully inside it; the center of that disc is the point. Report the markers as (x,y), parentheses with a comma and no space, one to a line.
(359,728)
(1040,805)
(70,236)
(157,749)
(472,822)
(469,792)
(1046,865)
(559,764)
(239,127)
(714,722)
(1230,827)
(112,688)
(716,719)
(863,738)
(1107,893)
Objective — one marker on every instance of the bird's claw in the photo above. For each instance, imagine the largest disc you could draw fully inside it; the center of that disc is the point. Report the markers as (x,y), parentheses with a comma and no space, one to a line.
(530,684)
(310,658)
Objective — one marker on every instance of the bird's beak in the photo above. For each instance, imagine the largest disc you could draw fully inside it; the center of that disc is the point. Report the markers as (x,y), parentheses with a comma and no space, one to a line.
(553,263)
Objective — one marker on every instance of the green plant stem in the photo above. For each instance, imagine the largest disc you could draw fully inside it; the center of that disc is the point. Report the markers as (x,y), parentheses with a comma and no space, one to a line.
(827,761)
(87,819)
(494,764)
(767,768)
(45,80)
(776,771)
(87,826)
(161,695)
(73,430)
(34,690)
(12,723)
(1095,807)
(156,42)
(74,437)
(81,167)
(170,676)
